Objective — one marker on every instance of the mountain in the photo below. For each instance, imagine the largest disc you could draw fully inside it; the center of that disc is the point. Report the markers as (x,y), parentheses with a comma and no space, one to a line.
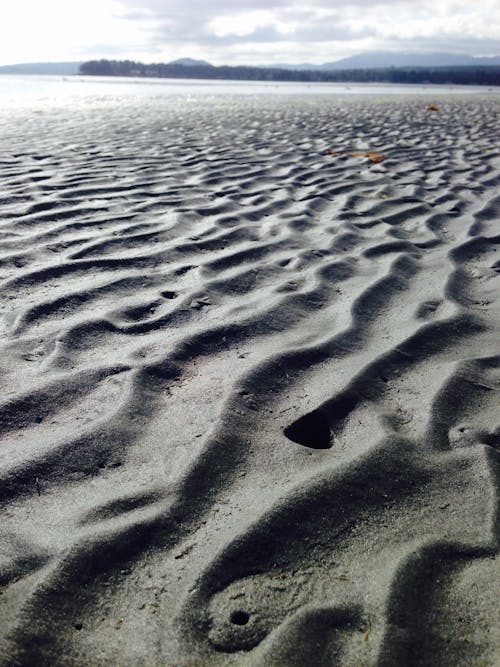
(409,59)
(62,69)
(370,60)
(190,62)
(375,59)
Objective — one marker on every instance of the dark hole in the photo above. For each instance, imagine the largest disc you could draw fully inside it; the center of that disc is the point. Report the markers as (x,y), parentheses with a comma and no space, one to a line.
(312,430)
(168,294)
(240,617)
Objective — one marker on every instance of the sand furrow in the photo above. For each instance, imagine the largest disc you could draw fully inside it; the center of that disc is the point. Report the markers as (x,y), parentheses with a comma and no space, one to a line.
(250,382)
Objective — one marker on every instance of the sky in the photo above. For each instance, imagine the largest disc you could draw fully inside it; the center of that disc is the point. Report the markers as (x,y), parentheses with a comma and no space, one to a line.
(242,31)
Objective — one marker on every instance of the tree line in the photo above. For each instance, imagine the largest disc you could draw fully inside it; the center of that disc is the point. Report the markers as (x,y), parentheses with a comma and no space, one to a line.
(474,75)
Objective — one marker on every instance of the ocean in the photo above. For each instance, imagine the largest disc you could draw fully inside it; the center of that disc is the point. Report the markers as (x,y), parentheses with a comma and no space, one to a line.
(24,90)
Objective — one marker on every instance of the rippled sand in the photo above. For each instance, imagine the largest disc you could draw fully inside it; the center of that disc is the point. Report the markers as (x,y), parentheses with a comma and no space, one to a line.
(249,390)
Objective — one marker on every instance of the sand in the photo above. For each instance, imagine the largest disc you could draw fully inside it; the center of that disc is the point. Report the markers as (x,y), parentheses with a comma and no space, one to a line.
(249,388)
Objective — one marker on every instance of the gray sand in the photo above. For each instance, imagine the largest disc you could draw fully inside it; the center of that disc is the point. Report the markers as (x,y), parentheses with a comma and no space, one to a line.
(250,390)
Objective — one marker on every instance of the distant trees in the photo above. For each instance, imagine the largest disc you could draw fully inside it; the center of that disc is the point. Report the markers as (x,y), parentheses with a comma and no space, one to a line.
(474,75)
(113,68)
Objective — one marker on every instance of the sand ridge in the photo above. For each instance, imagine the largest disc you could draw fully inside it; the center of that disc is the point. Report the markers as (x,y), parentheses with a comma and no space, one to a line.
(249,409)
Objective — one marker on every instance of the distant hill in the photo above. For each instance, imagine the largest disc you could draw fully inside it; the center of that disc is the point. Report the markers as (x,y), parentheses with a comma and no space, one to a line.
(190,62)
(370,60)
(374,59)
(409,59)
(63,69)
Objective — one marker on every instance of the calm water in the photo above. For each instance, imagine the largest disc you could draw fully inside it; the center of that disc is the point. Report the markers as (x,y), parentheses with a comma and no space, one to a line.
(25,90)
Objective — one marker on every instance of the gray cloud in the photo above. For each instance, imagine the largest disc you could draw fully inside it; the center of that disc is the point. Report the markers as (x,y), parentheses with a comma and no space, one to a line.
(242,31)
(318,29)
(313,33)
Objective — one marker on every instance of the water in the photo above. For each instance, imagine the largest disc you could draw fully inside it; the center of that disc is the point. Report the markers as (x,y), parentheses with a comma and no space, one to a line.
(23,90)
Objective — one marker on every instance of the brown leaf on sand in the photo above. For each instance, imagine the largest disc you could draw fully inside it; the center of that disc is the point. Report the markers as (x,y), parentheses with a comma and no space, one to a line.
(373,156)
(432,107)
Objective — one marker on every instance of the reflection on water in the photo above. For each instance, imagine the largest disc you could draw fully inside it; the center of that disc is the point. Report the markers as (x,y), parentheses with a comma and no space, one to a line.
(22,90)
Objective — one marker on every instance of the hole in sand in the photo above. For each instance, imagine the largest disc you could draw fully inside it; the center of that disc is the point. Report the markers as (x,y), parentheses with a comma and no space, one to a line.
(240,617)
(312,430)
(167,294)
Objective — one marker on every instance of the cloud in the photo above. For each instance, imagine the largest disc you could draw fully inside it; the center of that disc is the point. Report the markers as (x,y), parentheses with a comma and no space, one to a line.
(318,29)
(32,30)
(243,31)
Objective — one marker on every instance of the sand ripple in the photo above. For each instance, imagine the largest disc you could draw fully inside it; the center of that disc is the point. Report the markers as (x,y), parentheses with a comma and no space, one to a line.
(249,407)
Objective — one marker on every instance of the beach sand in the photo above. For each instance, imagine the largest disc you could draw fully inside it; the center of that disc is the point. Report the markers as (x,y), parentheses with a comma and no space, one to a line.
(250,388)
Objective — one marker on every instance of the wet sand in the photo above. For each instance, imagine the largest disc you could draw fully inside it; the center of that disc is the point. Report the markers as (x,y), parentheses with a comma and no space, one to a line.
(249,408)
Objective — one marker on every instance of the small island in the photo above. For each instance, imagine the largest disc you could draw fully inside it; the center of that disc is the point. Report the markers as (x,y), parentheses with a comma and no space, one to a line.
(479,75)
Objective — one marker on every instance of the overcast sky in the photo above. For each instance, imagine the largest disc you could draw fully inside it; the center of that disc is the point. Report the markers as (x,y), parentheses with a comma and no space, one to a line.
(242,31)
